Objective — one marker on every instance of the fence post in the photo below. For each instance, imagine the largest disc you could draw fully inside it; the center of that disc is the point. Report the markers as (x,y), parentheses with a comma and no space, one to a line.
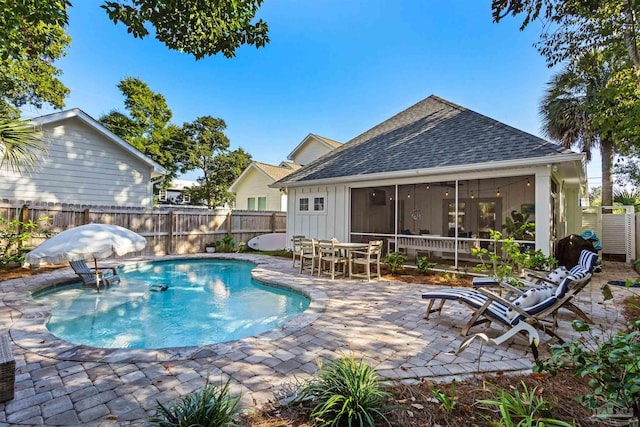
(85,216)
(230,222)
(24,214)
(169,243)
(273,222)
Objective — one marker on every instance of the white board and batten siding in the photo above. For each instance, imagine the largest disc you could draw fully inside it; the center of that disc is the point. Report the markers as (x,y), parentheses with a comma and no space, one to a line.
(327,224)
(81,166)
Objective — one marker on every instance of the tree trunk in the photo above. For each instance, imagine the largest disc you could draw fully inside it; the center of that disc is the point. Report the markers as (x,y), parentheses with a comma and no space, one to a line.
(606,150)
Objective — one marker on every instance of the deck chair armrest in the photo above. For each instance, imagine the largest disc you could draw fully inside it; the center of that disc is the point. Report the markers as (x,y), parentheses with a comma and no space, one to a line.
(510,288)
(101,270)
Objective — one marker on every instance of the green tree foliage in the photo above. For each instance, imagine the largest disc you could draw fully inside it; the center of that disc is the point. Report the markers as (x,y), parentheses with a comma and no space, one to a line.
(595,196)
(571,115)
(627,198)
(222,170)
(201,28)
(148,126)
(628,171)
(21,146)
(32,38)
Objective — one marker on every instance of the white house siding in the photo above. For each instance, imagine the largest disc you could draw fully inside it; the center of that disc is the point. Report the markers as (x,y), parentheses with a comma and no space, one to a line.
(256,184)
(310,151)
(81,167)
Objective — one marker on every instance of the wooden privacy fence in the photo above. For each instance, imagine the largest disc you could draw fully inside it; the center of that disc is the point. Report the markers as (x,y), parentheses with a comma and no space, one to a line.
(168,231)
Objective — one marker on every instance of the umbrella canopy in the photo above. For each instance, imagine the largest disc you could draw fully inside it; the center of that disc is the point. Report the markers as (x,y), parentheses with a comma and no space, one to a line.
(89,241)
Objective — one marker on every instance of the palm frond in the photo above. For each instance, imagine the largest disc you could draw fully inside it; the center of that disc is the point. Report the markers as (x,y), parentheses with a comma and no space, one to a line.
(21,145)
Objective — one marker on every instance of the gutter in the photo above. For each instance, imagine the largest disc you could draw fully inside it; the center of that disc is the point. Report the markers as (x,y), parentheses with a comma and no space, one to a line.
(412,173)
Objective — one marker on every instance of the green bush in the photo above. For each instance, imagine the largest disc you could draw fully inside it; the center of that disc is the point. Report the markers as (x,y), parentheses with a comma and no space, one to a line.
(536,260)
(209,407)
(524,408)
(395,261)
(226,244)
(423,265)
(346,392)
(14,234)
(612,366)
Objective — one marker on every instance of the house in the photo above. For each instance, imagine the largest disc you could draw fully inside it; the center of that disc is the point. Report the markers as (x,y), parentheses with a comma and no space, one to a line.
(85,164)
(252,188)
(176,193)
(433,180)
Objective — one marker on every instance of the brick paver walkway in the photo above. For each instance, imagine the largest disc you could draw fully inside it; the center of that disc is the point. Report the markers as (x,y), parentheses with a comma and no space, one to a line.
(58,383)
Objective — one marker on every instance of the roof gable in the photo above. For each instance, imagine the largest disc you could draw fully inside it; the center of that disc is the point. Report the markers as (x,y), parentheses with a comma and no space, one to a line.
(270,172)
(101,129)
(434,133)
(329,143)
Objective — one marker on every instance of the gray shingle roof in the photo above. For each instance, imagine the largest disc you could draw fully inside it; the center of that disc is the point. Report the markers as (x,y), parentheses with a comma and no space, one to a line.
(432,133)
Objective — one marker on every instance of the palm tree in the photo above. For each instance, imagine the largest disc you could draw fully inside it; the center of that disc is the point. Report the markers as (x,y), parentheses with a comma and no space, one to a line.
(628,198)
(20,145)
(566,118)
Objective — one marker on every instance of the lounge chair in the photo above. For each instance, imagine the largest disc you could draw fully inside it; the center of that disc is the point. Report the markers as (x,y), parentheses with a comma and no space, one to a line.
(366,259)
(106,276)
(535,306)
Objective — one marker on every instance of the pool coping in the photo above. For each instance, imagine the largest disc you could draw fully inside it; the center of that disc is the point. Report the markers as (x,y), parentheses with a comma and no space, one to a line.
(30,333)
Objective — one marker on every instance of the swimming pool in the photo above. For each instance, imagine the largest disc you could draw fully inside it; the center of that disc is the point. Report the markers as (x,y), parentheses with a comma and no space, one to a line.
(206,302)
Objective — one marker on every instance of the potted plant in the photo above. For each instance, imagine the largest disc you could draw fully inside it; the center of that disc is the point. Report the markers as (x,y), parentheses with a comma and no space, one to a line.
(210,247)
(519,227)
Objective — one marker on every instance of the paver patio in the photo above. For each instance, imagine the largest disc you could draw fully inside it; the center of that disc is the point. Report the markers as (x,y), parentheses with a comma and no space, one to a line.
(58,383)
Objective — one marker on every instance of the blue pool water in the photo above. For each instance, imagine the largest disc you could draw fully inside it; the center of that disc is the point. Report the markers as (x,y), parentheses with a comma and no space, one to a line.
(207,301)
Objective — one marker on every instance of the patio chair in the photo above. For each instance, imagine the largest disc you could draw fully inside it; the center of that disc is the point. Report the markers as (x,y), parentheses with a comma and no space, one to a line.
(308,254)
(107,275)
(535,306)
(295,247)
(366,259)
(329,254)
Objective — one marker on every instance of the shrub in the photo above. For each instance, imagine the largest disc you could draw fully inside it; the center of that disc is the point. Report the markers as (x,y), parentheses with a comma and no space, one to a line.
(209,407)
(226,244)
(346,392)
(524,408)
(13,234)
(423,265)
(536,260)
(611,366)
(395,261)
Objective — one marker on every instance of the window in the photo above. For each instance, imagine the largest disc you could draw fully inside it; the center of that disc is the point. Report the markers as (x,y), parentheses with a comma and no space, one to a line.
(312,203)
(186,198)
(262,203)
(251,203)
(162,195)
(318,204)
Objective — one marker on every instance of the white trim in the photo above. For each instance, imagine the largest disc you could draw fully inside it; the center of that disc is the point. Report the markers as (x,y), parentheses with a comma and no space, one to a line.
(99,127)
(421,173)
(235,183)
(304,141)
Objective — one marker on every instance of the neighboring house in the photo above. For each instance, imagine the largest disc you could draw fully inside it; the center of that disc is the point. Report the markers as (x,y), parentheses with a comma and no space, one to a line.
(176,193)
(251,189)
(85,164)
(434,179)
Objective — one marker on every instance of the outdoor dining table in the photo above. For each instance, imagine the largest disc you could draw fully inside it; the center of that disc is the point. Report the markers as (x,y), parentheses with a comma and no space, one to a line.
(347,247)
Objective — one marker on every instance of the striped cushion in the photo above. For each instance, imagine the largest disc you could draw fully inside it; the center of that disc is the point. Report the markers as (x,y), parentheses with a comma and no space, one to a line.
(564,287)
(587,260)
(578,272)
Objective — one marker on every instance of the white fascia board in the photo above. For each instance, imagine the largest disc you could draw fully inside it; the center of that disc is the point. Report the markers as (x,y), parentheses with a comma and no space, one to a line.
(457,169)
(156,170)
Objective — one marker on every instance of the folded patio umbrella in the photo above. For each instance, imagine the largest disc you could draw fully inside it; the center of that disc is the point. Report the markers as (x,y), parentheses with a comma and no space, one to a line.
(89,241)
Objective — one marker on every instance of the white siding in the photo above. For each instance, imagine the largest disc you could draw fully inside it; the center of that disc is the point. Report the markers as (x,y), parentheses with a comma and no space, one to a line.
(310,151)
(256,184)
(81,167)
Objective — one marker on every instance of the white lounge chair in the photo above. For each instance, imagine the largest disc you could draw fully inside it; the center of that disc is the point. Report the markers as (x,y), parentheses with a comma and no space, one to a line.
(106,276)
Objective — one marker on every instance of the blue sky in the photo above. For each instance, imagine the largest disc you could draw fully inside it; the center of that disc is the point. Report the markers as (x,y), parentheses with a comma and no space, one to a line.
(333,67)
